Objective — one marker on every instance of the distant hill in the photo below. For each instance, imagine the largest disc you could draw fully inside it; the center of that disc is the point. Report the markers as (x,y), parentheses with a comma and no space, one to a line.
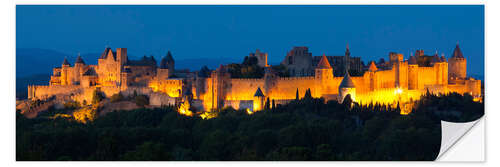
(31,61)
(23,82)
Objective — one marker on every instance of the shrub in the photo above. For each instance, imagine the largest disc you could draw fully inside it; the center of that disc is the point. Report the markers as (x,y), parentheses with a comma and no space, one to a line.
(116,97)
(97,97)
(141,100)
(71,105)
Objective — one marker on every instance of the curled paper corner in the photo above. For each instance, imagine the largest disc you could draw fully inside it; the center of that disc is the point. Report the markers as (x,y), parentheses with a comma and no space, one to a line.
(451,133)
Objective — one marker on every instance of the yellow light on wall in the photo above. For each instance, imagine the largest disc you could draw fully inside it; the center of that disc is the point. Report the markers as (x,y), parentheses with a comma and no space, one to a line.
(398,91)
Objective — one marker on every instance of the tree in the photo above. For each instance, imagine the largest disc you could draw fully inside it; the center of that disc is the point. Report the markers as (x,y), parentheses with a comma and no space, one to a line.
(297,94)
(116,97)
(308,94)
(141,100)
(347,101)
(97,96)
(267,106)
(273,104)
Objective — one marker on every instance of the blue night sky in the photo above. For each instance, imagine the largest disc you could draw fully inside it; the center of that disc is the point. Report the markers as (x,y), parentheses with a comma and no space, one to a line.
(235,31)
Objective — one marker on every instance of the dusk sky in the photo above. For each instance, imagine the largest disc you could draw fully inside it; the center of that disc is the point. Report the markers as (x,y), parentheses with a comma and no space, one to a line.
(235,31)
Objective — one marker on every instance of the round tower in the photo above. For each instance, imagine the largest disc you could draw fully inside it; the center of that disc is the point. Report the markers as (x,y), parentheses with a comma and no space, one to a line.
(347,87)
(457,65)
(64,72)
(78,71)
(323,74)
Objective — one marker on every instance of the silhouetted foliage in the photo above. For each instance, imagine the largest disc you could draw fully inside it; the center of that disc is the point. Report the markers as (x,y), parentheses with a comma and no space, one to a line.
(97,96)
(306,129)
(281,70)
(116,97)
(141,100)
(248,69)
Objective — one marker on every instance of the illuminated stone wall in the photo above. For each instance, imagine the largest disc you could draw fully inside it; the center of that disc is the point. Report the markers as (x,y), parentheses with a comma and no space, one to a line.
(172,87)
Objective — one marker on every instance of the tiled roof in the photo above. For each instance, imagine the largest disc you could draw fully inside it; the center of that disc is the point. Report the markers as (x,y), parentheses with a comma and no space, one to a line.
(323,63)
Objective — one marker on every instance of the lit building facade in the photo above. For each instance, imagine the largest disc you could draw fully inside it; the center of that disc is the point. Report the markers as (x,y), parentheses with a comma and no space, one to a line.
(400,81)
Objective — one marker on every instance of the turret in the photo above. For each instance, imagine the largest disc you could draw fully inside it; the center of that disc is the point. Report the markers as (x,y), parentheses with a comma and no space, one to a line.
(65,63)
(347,85)
(166,68)
(79,60)
(258,102)
(324,70)
(372,67)
(323,74)
(78,70)
(457,65)
(65,72)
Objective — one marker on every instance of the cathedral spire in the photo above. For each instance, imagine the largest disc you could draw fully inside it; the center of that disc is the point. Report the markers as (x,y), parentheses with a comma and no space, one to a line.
(79,59)
(457,53)
(347,59)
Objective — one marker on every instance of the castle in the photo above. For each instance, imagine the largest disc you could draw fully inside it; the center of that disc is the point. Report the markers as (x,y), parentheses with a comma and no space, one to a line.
(397,81)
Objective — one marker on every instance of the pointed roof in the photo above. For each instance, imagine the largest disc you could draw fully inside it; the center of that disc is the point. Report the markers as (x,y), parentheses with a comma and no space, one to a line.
(323,63)
(412,60)
(104,54)
(457,53)
(259,93)
(347,51)
(346,81)
(169,57)
(373,67)
(79,60)
(163,63)
(90,72)
(65,62)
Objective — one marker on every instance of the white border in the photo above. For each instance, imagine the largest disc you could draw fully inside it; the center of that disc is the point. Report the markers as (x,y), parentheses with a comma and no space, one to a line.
(7,68)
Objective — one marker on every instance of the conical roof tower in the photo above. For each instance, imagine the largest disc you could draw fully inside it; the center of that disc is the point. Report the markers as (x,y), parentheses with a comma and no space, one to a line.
(457,53)
(258,93)
(65,62)
(323,63)
(79,60)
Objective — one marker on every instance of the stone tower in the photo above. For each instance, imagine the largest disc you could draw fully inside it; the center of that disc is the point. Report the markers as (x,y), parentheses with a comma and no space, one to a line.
(323,76)
(78,70)
(166,69)
(373,76)
(298,61)
(412,73)
(219,78)
(400,68)
(65,74)
(258,101)
(347,85)
(457,65)
(261,58)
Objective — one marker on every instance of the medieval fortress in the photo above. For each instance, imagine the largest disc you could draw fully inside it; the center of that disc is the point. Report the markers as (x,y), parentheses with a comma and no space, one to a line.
(397,81)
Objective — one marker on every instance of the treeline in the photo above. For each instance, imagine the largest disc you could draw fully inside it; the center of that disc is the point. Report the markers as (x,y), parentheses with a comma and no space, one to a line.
(305,129)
